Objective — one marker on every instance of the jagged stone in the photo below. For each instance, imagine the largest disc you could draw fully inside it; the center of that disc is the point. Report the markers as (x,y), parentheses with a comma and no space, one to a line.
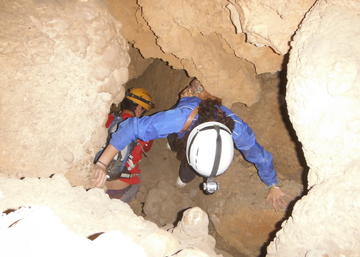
(207,46)
(271,23)
(57,70)
(53,213)
(324,107)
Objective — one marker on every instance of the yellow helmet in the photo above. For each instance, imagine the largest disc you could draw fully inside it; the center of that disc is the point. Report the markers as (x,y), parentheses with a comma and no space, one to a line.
(140,96)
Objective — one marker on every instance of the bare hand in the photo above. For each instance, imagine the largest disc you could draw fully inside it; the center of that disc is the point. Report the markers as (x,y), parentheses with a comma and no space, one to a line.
(277,198)
(99,174)
(98,177)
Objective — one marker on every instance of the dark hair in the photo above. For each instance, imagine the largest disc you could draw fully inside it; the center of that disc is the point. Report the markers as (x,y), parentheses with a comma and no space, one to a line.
(114,109)
(127,104)
(209,110)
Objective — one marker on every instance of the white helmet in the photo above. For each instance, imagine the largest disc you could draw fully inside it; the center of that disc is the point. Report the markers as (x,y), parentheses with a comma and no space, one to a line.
(210,148)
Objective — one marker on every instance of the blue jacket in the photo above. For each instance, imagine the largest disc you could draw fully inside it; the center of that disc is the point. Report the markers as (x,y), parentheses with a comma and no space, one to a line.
(162,124)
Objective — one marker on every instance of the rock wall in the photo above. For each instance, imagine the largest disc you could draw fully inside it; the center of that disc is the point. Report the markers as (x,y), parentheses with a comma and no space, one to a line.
(76,222)
(324,107)
(223,43)
(201,38)
(238,211)
(271,22)
(269,120)
(163,83)
(61,63)
(138,63)
(327,119)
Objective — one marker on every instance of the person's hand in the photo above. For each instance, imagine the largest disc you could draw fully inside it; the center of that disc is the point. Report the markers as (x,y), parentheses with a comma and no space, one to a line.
(98,176)
(277,198)
(186,92)
(99,171)
(195,88)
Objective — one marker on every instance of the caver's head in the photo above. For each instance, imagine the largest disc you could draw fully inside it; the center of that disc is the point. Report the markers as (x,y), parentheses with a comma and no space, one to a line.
(137,100)
(210,149)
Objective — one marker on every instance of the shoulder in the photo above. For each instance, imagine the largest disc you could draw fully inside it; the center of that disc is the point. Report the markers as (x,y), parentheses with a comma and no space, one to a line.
(241,127)
(230,113)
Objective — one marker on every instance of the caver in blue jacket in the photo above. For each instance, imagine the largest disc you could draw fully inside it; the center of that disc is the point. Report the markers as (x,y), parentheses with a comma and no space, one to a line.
(162,124)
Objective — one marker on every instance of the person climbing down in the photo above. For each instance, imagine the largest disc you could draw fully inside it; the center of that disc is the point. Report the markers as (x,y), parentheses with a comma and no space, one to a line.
(207,149)
(204,133)
(124,173)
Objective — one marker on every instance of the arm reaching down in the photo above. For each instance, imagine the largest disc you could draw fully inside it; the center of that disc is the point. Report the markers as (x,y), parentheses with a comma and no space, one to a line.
(277,198)
(99,170)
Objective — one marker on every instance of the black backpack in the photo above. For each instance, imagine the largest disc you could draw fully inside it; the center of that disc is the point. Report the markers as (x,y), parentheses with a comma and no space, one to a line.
(116,168)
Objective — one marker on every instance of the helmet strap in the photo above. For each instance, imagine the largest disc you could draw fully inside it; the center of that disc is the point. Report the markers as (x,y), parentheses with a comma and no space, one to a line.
(217,152)
(210,186)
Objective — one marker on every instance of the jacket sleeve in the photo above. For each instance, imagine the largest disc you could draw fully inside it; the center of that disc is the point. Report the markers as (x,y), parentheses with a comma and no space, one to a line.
(147,128)
(245,141)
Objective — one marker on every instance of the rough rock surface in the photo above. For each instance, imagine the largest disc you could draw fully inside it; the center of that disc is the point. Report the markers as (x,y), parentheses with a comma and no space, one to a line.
(238,211)
(199,44)
(334,203)
(136,30)
(41,233)
(327,121)
(163,203)
(58,74)
(324,60)
(138,63)
(192,231)
(159,200)
(270,122)
(63,217)
(271,22)
(163,83)
(206,44)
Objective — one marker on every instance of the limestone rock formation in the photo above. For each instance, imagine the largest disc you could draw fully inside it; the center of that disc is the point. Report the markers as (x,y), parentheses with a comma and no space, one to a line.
(40,232)
(50,212)
(163,202)
(61,62)
(271,22)
(238,211)
(270,123)
(323,223)
(136,30)
(138,63)
(330,113)
(163,82)
(201,38)
(324,107)
(192,231)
